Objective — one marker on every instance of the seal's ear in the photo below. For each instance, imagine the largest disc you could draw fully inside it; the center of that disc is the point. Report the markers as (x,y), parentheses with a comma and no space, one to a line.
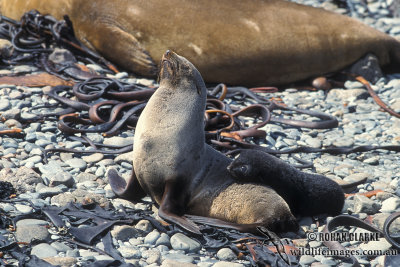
(198,89)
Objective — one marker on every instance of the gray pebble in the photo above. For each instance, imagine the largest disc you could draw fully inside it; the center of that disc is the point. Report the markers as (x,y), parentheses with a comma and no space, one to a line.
(152,256)
(124,232)
(307,259)
(60,247)
(77,163)
(181,242)
(4,104)
(178,257)
(27,233)
(144,225)
(118,141)
(130,253)
(152,237)
(93,157)
(390,204)
(365,205)
(372,161)
(173,263)
(44,250)
(30,222)
(25,209)
(226,254)
(227,264)
(163,240)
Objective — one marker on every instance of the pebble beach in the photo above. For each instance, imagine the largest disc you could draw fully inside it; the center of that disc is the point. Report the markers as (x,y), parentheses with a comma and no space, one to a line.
(67,177)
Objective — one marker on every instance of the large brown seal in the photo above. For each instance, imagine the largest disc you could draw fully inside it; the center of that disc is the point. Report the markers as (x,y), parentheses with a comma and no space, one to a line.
(242,42)
(183,175)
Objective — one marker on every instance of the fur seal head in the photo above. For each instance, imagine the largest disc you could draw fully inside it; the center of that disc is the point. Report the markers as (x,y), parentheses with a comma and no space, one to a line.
(176,70)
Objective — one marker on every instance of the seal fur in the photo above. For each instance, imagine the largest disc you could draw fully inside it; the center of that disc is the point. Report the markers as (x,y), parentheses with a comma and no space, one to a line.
(307,194)
(183,175)
(240,42)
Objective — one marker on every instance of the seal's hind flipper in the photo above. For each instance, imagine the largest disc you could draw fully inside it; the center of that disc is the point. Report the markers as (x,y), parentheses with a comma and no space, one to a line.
(131,190)
(171,207)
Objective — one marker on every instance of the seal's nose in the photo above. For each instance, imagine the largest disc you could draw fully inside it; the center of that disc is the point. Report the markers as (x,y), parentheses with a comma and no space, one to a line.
(167,54)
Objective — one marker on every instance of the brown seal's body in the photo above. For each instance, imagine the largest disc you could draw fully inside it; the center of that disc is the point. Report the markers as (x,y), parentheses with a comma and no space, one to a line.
(243,42)
(172,163)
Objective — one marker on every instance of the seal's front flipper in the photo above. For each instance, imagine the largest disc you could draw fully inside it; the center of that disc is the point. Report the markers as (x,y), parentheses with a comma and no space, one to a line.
(131,190)
(171,207)
(247,228)
(114,43)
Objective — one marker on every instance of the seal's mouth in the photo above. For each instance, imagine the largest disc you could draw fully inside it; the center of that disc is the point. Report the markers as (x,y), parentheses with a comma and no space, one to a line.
(167,66)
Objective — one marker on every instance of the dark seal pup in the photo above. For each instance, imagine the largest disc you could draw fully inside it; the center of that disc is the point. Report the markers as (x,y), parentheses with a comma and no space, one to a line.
(183,175)
(307,194)
(238,42)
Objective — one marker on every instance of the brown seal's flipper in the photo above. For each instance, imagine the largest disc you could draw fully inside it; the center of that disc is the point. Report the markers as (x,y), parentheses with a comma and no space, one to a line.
(172,204)
(139,58)
(279,226)
(349,187)
(248,228)
(131,191)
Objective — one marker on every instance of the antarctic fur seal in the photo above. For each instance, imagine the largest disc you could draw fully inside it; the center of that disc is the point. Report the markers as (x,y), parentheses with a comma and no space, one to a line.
(306,193)
(183,175)
(237,42)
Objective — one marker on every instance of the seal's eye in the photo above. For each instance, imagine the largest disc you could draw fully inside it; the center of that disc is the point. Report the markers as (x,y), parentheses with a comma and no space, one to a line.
(244,169)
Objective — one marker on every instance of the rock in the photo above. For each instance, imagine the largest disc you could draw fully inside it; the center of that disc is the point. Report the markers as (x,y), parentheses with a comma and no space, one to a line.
(24,209)
(61,56)
(27,233)
(77,163)
(4,104)
(226,254)
(11,114)
(152,256)
(30,222)
(365,205)
(79,196)
(61,261)
(372,161)
(313,142)
(356,177)
(181,242)
(163,240)
(96,157)
(152,237)
(23,179)
(307,259)
(343,142)
(55,174)
(44,250)
(6,48)
(119,202)
(144,225)
(118,141)
(227,264)
(173,263)
(126,157)
(381,245)
(130,253)
(61,247)
(84,176)
(178,257)
(390,204)
(124,232)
